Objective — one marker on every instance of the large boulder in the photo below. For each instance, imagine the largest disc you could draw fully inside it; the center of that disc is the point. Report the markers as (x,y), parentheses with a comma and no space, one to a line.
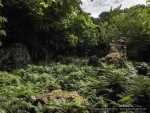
(14,57)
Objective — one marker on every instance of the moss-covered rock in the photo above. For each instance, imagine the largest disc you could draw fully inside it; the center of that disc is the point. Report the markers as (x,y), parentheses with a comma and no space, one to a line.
(56,94)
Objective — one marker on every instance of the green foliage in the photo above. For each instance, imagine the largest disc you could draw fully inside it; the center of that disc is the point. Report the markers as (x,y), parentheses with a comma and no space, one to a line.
(63,106)
(2,21)
(56,23)
(147,1)
(127,99)
(142,91)
(133,23)
(60,25)
(102,86)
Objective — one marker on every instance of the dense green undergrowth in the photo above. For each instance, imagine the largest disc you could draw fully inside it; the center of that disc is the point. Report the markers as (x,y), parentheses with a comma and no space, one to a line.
(102,86)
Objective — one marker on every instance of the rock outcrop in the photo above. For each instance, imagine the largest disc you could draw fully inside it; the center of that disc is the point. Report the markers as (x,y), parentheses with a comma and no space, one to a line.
(117,53)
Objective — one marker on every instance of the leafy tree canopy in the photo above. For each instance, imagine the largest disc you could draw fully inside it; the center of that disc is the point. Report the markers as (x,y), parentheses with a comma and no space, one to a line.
(2,21)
